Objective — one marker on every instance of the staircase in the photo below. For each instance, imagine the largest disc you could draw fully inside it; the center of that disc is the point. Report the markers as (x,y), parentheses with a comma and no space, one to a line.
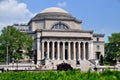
(52,64)
(85,65)
(72,63)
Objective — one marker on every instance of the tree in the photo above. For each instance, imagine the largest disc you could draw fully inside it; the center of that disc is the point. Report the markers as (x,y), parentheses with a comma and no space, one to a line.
(112,49)
(114,38)
(15,41)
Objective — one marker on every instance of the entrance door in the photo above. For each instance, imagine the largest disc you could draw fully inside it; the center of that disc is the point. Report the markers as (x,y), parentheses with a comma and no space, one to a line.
(66,54)
(97,55)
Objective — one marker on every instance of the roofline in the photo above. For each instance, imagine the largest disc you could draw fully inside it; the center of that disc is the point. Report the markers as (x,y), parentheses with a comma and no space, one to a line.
(75,20)
(98,35)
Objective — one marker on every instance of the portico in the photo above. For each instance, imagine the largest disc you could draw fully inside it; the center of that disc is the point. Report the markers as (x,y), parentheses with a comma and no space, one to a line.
(65,50)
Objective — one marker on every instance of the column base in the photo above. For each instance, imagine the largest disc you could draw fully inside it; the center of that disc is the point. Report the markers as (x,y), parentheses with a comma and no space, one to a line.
(63,59)
(69,59)
(58,59)
(53,59)
(74,59)
(84,59)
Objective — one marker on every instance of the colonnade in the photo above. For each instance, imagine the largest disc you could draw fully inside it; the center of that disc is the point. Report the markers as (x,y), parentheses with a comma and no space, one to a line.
(65,50)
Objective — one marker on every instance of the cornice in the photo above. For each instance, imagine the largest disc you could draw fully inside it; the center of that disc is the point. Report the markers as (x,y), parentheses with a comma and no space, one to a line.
(68,30)
(98,42)
(98,35)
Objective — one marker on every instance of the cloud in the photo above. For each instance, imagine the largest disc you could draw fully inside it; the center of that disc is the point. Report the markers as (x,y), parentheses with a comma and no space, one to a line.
(62,4)
(13,12)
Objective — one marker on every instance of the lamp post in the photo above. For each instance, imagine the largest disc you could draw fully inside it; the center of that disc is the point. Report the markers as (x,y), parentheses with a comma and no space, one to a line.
(114,62)
(13,63)
(7,44)
(52,65)
(17,63)
(7,57)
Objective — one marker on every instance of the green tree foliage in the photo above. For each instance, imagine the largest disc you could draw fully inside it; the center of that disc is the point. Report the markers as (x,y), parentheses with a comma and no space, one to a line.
(115,37)
(112,49)
(16,41)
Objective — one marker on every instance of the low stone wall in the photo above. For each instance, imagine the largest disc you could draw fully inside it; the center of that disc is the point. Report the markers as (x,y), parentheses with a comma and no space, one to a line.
(102,68)
(18,66)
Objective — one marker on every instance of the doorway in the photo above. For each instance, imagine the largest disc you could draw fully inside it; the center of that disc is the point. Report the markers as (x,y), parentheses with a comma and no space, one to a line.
(97,55)
(101,59)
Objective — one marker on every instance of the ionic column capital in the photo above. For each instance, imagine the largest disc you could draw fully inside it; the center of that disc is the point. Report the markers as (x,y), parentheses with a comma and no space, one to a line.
(53,41)
(58,41)
(74,42)
(42,41)
(69,41)
(63,41)
(90,42)
(79,42)
(84,42)
(48,41)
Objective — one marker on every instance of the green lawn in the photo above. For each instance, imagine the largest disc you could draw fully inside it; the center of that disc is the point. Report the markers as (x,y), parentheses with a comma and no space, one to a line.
(61,75)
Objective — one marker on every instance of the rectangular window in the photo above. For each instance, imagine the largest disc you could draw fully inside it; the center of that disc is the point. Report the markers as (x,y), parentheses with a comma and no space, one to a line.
(98,47)
(97,39)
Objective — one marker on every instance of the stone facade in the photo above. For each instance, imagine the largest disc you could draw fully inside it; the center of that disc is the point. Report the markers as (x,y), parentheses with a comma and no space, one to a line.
(58,37)
(22,27)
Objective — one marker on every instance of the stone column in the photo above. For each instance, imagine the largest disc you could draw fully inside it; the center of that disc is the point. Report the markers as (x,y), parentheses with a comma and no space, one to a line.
(69,51)
(48,49)
(38,51)
(53,51)
(84,51)
(43,50)
(74,51)
(88,51)
(79,51)
(63,50)
(91,50)
(58,50)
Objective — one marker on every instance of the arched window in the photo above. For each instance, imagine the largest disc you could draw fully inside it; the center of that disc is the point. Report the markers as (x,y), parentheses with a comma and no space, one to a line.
(60,26)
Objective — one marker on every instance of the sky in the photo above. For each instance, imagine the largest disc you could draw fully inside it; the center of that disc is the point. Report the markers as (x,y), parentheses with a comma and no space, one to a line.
(102,16)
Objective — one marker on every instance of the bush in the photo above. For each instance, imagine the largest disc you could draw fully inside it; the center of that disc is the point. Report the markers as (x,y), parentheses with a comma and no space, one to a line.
(64,66)
(61,75)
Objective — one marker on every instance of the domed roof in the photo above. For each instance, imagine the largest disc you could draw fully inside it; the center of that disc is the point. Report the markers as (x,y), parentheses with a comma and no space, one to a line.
(53,9)
(54,13)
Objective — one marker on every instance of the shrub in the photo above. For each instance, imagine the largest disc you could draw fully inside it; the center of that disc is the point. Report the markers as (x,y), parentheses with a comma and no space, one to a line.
(64,66)
(61,75)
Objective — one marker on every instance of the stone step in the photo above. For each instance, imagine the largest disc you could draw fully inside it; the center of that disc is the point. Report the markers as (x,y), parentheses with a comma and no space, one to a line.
(85,65)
